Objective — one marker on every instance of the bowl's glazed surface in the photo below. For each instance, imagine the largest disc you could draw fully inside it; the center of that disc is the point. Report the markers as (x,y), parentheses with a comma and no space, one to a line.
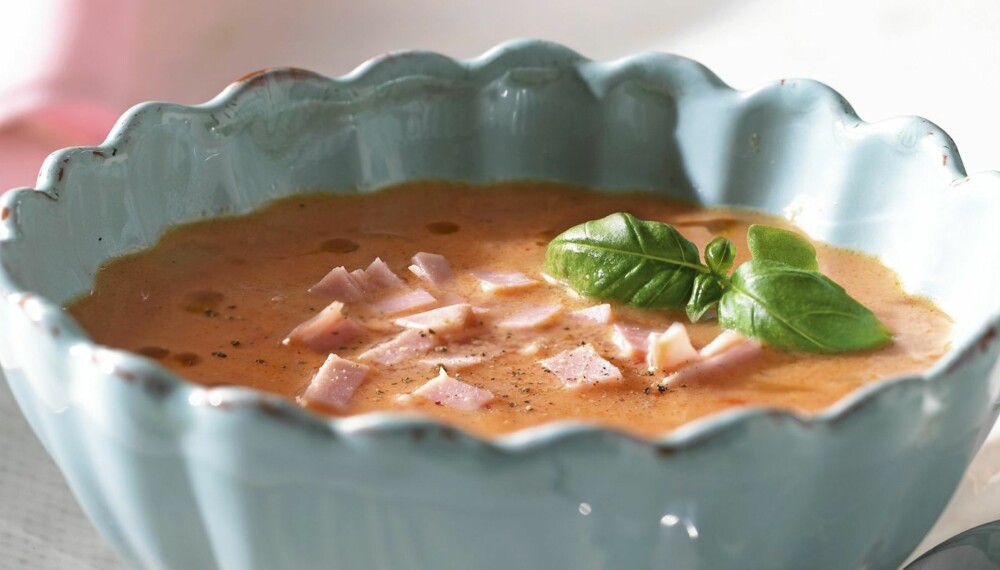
(179,476)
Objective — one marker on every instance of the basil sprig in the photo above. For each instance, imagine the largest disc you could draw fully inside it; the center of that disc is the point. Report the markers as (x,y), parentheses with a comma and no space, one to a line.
(780,297)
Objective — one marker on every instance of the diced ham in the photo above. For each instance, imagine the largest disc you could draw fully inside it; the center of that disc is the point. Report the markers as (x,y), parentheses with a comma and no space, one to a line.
(531,349)
(447,391)
(404,302)
(632,340)
(407,344)
(453,362)
(581,366)
(553,281)
(340,285)
(598,314)
(670,349)
(361,280)
(725,341)
(450,320)
(531,318)
(731,359)
(328,330)
(380,276)
(335,381)
(503,282)
(432,268)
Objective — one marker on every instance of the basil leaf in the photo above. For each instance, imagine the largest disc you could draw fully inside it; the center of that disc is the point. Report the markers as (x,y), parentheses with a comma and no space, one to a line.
(622,258)
(719,255)
(776,244)
(795,309)
(706,294)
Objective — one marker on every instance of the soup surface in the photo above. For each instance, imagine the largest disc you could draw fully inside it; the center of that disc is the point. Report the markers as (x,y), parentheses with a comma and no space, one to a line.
(214,302)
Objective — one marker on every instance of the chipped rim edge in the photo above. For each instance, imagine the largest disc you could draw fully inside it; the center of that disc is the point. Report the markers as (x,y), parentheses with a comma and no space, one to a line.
(373,73)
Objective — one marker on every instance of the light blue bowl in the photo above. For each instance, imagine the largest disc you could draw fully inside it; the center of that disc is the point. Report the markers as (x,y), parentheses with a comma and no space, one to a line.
(179,476)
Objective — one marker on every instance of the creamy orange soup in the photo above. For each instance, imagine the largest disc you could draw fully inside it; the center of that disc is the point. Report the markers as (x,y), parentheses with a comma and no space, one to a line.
(213,301)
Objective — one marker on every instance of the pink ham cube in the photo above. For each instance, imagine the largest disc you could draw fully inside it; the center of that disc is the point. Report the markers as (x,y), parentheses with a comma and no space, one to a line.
(597,315)
(453,362)
(670,349)
(354,286)
(406,301)
(632,340)
(329,330)
(432,268)
(340,285)
(725,341)
(450,320)
(531,318)
(335,382)
(380,276)
(503,282)
(448,391)
(580,367)
(407,344)
(730,360)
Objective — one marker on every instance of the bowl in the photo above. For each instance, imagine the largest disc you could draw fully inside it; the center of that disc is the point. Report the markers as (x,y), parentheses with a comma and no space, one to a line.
(175,475)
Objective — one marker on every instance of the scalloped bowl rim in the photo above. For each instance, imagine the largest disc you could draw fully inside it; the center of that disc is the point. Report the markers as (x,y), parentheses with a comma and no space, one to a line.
(74,342)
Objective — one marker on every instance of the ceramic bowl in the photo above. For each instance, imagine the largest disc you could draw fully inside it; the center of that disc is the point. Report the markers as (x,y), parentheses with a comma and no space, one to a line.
(179,476)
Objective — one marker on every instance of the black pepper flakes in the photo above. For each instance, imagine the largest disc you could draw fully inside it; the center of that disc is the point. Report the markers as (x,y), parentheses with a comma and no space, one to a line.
(661,388)
(219,354)
(234,343)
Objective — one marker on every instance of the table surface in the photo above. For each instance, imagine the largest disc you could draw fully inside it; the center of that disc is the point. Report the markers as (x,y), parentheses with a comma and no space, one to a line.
(901,57)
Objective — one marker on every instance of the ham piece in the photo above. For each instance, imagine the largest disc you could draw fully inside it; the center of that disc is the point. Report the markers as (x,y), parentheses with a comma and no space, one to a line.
(404,345)
(351,287)
(448,391)
(406,301)
(451,320)
(598,314)
(503,282)
(335,382)
(733,358)
(340,285)
(670,349)
(380,276)
(581,366)
(432,268)
(531,318)
(328,330)
(453,362)
(632,340)
(725,341)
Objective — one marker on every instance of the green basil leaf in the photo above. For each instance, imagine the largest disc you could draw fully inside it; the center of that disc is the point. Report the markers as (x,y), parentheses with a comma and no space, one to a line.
(776,244)
(796,309)
(719,255)
(622,258)
(706,294)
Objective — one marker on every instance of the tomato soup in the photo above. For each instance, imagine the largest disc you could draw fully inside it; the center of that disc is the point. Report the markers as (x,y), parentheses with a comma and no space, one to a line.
(430,298)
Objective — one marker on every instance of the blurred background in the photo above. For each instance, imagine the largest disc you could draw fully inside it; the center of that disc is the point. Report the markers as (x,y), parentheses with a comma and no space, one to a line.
(71,67)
